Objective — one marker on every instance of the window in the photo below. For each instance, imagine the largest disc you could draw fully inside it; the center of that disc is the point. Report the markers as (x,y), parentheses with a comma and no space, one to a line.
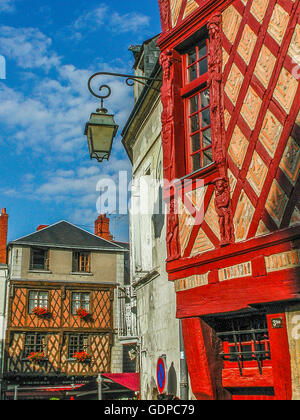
(80,300)
(81,262)
(245,341)
(37,299)
(77,344)
(34,343)
(39,259)
(196,61)
(197,108)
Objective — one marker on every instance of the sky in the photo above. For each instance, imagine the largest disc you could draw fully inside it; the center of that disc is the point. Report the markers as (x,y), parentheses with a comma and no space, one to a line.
(51,48)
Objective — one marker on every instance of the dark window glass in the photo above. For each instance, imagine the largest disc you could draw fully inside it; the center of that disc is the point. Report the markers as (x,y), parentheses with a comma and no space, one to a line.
(39,259)
(81,262)
(77,344)
(34,343)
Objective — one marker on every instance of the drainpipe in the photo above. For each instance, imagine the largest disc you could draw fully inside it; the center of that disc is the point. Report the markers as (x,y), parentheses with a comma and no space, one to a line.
(184,382)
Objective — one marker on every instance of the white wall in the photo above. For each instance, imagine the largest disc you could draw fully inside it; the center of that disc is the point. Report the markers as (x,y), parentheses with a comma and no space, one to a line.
(156,299)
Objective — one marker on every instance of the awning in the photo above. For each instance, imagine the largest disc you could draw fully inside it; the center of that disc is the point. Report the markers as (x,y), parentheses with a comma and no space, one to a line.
(42,391)
(128,380)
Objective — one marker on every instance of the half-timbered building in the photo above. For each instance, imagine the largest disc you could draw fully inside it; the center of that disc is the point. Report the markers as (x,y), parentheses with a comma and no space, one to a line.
(60,317)
(231,119)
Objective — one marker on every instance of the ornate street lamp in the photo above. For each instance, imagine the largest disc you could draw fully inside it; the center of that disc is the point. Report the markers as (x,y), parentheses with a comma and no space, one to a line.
(101,128)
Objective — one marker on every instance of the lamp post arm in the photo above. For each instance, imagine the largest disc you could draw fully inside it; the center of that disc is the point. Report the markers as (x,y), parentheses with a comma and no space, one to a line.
(130,79)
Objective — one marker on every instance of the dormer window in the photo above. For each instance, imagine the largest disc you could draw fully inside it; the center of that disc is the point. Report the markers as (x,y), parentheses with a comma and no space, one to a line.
(39,259)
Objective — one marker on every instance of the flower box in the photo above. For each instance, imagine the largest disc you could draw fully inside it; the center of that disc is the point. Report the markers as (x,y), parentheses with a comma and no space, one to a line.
(36,357)
(82,356)
(40,312)
(82,313)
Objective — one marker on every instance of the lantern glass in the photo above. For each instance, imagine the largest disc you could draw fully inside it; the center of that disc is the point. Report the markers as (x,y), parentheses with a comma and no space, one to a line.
(100,130)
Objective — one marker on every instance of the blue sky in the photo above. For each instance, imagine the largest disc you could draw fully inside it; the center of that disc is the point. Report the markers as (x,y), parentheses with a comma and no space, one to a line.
(51,47)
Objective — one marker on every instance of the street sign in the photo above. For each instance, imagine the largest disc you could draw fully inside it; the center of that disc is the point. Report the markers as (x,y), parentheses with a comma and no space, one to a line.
(161,375)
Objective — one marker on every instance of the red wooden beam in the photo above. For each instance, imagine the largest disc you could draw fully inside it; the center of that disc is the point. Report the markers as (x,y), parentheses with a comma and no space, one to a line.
(238,294)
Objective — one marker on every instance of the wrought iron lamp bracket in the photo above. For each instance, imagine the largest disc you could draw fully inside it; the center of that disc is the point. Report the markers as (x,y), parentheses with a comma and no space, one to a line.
(130,79)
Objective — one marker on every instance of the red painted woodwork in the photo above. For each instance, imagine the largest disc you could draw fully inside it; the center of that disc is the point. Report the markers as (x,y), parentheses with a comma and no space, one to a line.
(231,378)
(281,360)
(267,245)
(250,191)
(205,368)
(238,294)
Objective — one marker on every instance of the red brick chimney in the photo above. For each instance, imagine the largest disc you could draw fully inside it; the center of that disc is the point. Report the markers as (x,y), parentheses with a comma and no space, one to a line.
(41,227)
(3,235)
(102,227)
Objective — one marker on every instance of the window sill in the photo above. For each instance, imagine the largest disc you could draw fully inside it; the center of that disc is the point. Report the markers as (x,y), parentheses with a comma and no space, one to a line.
(78,273)
(200,174)
(39,271)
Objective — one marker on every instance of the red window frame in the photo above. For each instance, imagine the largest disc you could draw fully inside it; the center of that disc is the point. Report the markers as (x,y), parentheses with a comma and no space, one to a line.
(192,89)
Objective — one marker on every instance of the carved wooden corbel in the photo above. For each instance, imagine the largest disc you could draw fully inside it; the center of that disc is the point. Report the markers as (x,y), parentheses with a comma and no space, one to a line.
(173,246)
(224,210)
(169,60)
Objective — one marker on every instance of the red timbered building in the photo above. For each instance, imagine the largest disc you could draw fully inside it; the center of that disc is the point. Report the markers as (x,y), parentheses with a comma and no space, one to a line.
(231,117)
(60,310)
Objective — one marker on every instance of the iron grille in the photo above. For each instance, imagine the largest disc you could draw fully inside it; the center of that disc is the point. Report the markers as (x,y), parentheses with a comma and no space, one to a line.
(245,339)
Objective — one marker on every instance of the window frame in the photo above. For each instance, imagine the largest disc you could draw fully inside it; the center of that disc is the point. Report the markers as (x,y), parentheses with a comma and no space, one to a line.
(188,91)
(80,346)
(88,309)
(238,332)
(37,346)
(38,300)
(46,258)
(78,263)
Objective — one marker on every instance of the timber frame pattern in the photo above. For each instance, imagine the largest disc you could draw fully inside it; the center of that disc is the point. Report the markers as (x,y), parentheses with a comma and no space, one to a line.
(57,330)
(243,253)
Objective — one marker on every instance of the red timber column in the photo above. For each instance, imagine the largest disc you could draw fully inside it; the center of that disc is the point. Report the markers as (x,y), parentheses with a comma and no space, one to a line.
(280,356)
(3,235)
(215,82)
(202,348)
(172,120)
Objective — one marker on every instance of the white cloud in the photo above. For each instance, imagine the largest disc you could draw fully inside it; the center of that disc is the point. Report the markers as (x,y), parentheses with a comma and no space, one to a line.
(130,22)
(29,47)
(113,21)
(93,18)
(7,6)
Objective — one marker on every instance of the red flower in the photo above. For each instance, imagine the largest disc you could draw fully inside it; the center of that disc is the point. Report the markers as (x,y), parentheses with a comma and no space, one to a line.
(39,311)
(82,313)
(81,356)
(36,356)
